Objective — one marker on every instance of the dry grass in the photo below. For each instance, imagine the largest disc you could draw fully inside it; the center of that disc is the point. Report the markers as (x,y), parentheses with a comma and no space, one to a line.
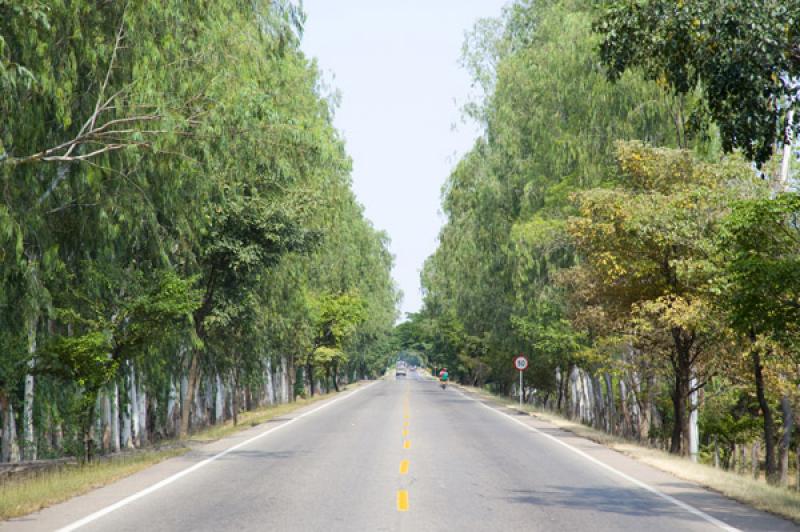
(259,416)
(30,494)
(743,488)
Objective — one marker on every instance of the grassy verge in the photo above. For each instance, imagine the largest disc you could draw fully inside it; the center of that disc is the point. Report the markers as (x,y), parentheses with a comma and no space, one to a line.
(258,416)
(30,494)
(22,497)
(743,488)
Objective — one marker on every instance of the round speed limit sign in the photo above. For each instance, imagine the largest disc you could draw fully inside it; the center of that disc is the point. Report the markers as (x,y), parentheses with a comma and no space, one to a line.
(521,363)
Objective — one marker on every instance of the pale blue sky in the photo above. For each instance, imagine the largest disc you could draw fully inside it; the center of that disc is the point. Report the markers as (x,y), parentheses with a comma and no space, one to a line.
(396,65)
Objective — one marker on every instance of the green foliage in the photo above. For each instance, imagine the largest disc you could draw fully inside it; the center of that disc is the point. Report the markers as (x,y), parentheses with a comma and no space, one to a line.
(742,56)
(157,213)
(761,242)
(551,120)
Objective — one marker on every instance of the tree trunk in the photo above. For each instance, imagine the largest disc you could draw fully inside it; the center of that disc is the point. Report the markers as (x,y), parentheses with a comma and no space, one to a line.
(115,444)
(742,458)
(611,410)
(235,398)
(133,408)
(88,436)
(310,376)
(798,467)
(141,398)
(716,451)
(269,394)
(769,426)
(335,372)
(627,422)
(29,435)
(786,439)
(10,449)
(105,408)
(172,408)
(286,381)
(694,427)
(679,409)
(219,400)
(188,399)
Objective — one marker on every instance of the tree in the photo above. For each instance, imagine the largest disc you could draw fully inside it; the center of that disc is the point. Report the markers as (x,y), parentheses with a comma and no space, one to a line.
(649,258)
(335,319)
(761,291)
(741,57)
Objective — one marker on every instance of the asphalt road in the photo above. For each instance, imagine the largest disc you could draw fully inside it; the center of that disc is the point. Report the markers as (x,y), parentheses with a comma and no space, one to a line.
(402,455)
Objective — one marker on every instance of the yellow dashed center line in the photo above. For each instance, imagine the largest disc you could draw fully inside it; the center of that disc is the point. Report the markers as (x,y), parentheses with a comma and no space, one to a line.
(407,444)
(402,501)
(403,467)
(405,433)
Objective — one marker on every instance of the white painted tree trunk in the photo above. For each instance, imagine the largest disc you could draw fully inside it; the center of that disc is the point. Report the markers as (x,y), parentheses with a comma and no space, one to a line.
(694,429)
(29,435)
(141,397)
(611,411)
(219,403)
(133,408)
(573,394)
(172,402)
(588,398)
(115,436)
(284,380)
(787,150)
(9,452)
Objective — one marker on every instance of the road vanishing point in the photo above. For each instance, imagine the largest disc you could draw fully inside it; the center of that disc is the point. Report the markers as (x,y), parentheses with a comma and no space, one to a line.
(401,454)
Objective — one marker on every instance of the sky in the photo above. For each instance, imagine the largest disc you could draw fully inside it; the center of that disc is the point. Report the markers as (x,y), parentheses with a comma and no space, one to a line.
(396,65)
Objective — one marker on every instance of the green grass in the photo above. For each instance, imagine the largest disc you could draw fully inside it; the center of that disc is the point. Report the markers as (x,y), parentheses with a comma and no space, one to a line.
(21,497)
(743,488)
(30,494)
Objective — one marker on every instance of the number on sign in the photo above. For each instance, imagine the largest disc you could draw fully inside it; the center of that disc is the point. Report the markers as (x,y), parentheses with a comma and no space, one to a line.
(521,363)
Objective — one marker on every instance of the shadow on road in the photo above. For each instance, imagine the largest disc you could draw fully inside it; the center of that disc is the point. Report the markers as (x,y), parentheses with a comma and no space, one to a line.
(625,501)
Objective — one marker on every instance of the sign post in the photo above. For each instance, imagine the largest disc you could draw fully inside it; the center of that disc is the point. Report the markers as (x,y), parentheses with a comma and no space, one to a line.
(521,363)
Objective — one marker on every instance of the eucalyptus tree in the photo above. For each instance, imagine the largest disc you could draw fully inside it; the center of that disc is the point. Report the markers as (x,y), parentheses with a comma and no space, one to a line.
(551,119)
(127,161)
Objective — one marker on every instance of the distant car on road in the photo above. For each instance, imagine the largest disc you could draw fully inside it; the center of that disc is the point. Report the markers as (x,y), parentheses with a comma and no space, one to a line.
(400,369)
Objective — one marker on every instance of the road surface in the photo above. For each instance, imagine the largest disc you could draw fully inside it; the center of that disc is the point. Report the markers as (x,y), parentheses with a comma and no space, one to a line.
(401,454)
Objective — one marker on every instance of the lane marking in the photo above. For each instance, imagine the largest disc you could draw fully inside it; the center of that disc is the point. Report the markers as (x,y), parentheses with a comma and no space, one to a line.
(403,467)
(407,444)
(405,424)
(405,433)
(402,500)
(169,480)
(689,508)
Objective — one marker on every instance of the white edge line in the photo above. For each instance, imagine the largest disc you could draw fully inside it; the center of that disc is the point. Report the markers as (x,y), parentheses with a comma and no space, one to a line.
(169,480)
(689,508)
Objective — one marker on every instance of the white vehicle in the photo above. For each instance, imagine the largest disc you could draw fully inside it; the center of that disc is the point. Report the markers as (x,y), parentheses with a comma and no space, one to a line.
(400,369)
